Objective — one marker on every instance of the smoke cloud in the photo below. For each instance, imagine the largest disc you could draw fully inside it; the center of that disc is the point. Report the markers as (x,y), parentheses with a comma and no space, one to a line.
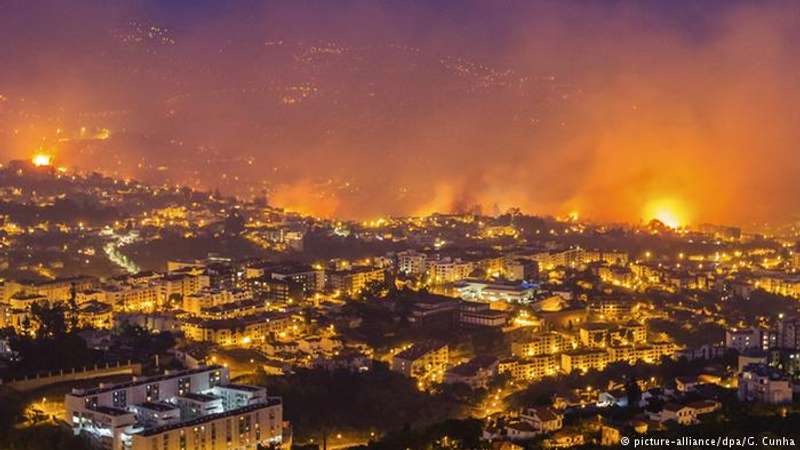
(361,109)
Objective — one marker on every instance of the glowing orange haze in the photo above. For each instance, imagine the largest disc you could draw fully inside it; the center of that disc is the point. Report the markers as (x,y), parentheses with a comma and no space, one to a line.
(596,109)
(665,127)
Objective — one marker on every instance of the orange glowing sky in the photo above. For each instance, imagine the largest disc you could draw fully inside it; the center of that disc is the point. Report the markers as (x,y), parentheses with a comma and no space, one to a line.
(681,111)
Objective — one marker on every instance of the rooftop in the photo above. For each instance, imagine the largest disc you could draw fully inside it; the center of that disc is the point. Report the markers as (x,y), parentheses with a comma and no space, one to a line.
(157,406)
(210,417)
(419,350)
(198,397)
(143,381)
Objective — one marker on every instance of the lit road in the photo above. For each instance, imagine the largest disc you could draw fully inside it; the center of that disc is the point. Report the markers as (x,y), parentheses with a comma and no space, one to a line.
(111,250)
(44,410)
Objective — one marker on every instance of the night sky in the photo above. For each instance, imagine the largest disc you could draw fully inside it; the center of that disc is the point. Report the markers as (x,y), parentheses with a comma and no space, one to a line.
(357,109)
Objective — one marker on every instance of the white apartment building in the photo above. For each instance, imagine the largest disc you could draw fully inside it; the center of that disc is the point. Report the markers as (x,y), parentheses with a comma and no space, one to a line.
(195,408)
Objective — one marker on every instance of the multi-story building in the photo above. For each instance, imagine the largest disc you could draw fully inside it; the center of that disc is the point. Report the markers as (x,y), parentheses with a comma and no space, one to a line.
(617,276)
(90,295)
(546,343)
(521,269)
(208,298)
(355,280)
(282,291)
(630,332)
(475,373)
(180,285)
(545,420)
(789,333)
(310,279)
(438,310)
(411,263)
(132,297)
(651,353)
(448,270)
(59,290)
(529,368)
(491,266)
(600,335)
(584,360)
(425,362)
(195,408)
(19,310)
(594,335)
(764,384)
(609,308)
(232,310)
(247,330)
(95,315)
(473,314)
(551,260)
(744,339)
(779,283)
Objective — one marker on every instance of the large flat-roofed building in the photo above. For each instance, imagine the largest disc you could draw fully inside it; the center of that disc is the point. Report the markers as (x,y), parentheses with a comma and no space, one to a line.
(243,428)
(474,314)
(194,408)
(434,309)
(488,291)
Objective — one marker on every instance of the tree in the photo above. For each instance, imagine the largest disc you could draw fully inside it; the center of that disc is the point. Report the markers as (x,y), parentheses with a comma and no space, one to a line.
(633,392)
(360,401)
(234,223)
(49,320)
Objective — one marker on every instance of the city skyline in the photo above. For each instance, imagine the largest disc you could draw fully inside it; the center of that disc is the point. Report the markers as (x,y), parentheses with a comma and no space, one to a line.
(399,224)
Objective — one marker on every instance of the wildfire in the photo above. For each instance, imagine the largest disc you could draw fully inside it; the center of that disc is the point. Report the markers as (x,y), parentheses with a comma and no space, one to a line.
(670,212)
(42,159)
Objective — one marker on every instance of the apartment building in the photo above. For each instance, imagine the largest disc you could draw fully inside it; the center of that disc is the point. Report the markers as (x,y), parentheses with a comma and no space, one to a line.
(194,408)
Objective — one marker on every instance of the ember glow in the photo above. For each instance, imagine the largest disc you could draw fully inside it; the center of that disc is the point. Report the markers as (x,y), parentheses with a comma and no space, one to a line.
(668,211)
(42,159)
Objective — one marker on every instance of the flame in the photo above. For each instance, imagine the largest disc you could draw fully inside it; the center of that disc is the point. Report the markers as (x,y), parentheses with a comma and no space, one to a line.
(42,159)
(670,212)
